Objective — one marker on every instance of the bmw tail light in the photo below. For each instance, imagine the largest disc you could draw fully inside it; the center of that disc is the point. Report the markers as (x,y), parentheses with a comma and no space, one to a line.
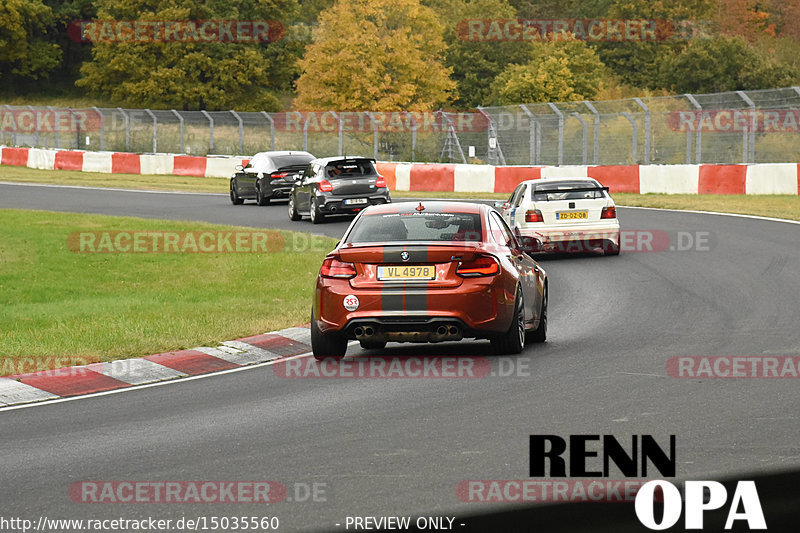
(534,215)
(380,182)
(279,175)
(609,212)
(483,265)
(333,268)
(325,186)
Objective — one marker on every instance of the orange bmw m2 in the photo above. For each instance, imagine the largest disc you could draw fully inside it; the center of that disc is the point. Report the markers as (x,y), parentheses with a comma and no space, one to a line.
(428,272)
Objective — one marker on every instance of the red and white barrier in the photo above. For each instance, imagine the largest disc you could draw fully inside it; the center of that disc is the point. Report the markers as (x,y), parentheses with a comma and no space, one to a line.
(767,178)
(121,162)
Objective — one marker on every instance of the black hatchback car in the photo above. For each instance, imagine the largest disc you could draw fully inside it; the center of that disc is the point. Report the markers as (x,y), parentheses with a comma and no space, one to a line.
(268,176)
(337,186)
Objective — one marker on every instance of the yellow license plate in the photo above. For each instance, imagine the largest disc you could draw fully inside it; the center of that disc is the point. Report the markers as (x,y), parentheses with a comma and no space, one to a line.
(571,215)
(387,273)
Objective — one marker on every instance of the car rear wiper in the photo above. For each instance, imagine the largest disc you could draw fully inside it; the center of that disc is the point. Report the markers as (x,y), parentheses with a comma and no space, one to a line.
(567,191)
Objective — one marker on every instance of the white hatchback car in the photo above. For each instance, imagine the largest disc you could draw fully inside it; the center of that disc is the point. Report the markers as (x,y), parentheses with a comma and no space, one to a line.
(564,215)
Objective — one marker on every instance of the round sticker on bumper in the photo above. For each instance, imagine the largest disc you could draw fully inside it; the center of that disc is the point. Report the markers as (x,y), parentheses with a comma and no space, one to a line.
(351,302)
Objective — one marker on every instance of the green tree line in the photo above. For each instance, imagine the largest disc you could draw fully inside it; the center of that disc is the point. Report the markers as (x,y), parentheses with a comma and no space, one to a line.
(398,54)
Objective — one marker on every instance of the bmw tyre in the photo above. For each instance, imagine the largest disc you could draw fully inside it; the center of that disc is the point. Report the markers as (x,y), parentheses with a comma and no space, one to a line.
(293,214)
(513,341)
(235,199)
(325,345)
(540,333)
(317,216)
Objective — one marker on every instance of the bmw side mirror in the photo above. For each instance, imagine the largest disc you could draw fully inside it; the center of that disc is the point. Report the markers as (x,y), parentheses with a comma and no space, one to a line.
(239,168)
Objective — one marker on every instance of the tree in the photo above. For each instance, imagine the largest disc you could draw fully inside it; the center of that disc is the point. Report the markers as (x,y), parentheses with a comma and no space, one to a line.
(24,50)
(725,63)
(475,62)
(638,63)
(557,71)
(375,54)
(184,71)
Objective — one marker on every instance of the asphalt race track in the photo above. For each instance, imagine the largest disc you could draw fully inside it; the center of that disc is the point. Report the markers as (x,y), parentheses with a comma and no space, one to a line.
(383,447)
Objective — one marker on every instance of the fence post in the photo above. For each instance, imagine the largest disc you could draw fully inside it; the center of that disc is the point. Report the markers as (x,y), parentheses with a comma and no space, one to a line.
(210,131)
(180,122)
(646,129)
(13,123)
(271,130)
(241,131)
(495,155)
(102,129)
(413,134)
(374,135)
(35,125)
(560,132)
(698,133)
(155,130)
(532,133)
(127,129)
(339,120)
(751,156)
(55,128)
(595,133)
(585,136)
(305,135)
(635,136)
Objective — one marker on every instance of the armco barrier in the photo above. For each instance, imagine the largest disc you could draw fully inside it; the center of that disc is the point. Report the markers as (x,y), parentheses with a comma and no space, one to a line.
(766,178)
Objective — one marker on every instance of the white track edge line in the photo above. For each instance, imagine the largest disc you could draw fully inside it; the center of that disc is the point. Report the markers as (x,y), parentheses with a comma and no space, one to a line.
(718,213)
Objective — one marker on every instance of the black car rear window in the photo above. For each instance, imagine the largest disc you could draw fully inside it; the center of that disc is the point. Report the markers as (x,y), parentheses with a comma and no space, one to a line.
(349,168)
(291,160)
(417,227)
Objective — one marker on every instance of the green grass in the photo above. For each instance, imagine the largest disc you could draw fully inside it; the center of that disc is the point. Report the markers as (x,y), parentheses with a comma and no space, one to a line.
(104,306)
(124,181)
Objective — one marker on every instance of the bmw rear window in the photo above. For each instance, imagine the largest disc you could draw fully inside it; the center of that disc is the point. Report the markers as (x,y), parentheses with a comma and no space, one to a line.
(416,227)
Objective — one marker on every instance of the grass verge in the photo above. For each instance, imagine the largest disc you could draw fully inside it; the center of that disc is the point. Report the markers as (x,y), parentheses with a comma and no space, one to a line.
(122,181)
(104,306)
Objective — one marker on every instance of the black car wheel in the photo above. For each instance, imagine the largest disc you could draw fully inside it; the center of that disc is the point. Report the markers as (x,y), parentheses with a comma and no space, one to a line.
(540,333)
(316,216)
(260,198)
(325,345)
(513,340)
(235,200)
(293,214)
